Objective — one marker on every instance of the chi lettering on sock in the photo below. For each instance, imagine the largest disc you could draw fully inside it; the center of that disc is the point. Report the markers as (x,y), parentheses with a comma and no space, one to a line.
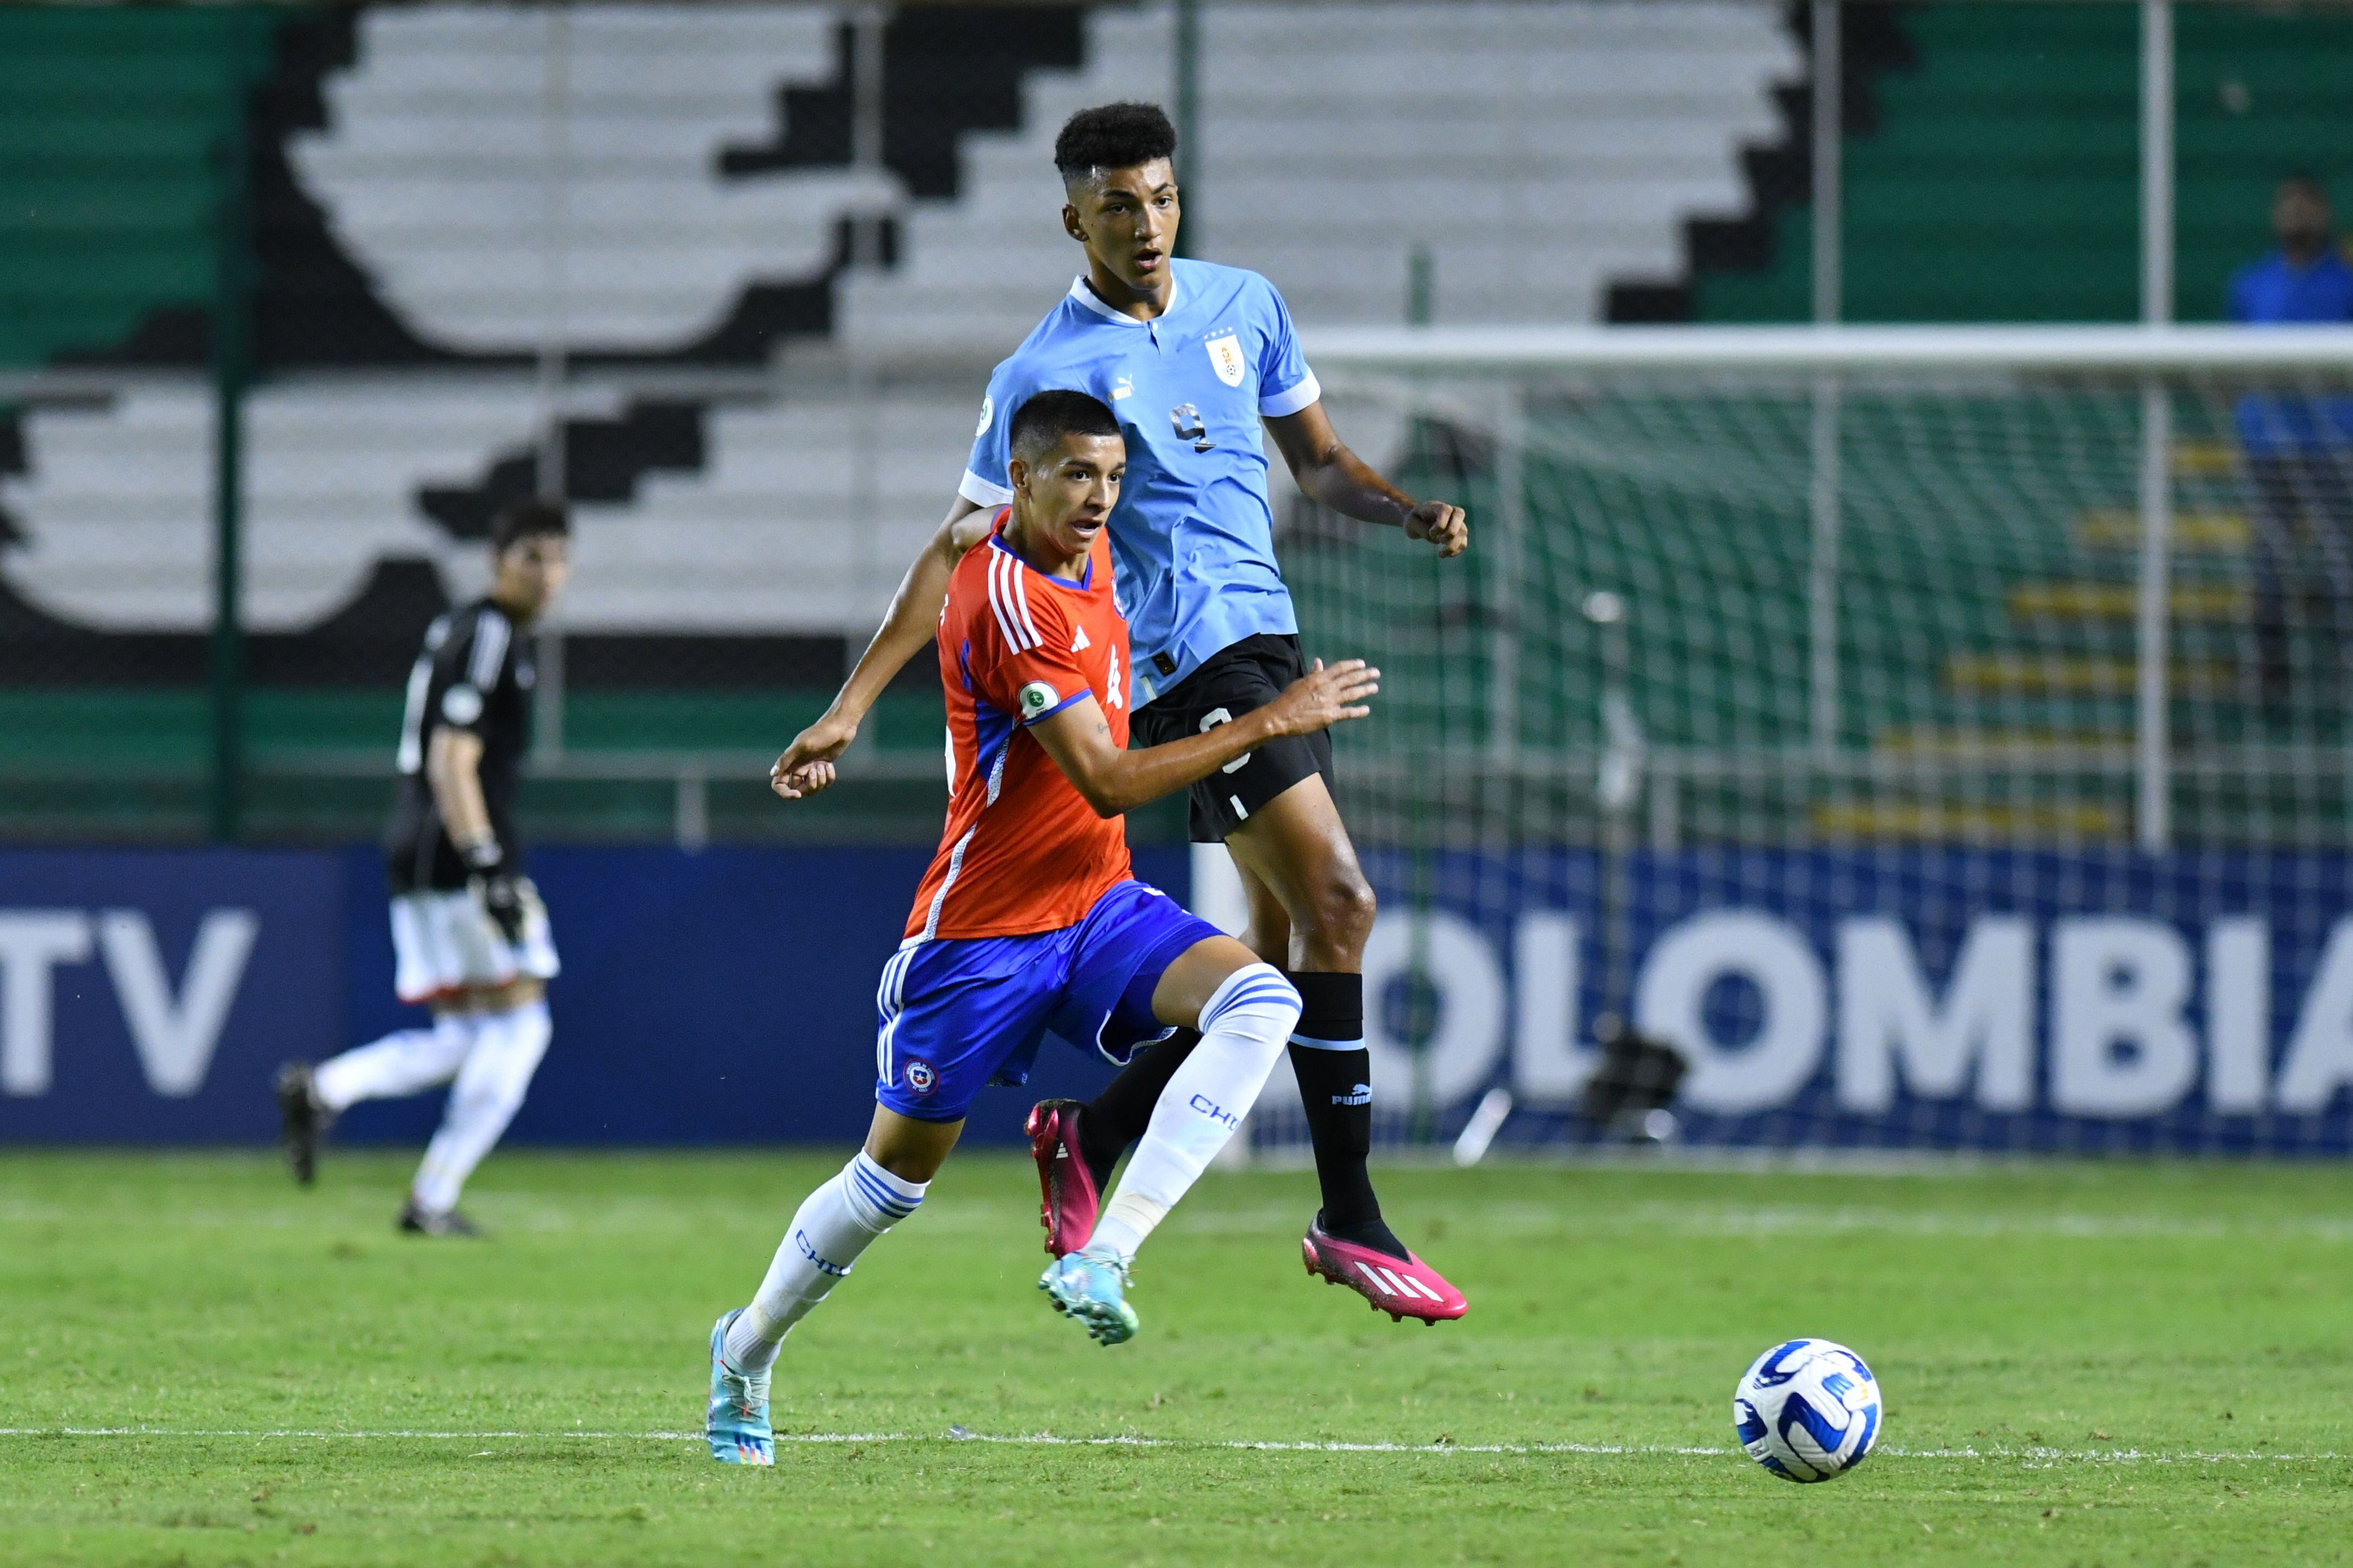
(832,1227)
(824,1264)
(1243,1026)
(1214,1111)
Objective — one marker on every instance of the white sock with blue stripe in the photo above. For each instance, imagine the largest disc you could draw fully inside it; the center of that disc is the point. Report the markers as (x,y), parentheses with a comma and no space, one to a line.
(833,1225)
(1244,1027)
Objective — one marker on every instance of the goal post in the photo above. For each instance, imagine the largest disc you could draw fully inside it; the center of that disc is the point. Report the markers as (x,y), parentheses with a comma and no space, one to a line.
(1936,736)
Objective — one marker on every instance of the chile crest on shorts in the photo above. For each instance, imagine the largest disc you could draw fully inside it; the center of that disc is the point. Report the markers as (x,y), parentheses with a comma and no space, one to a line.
(921,1079)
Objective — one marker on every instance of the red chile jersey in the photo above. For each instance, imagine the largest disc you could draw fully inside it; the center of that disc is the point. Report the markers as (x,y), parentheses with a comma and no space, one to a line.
(1023,851)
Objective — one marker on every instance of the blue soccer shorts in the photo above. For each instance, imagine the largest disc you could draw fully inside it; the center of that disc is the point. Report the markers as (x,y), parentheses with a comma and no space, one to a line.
(958,1013)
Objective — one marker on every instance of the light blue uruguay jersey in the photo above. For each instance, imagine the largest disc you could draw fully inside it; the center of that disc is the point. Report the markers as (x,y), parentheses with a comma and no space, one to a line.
(1193,538)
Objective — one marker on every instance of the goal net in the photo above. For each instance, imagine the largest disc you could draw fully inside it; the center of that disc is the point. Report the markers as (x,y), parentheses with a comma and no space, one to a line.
(1931,738)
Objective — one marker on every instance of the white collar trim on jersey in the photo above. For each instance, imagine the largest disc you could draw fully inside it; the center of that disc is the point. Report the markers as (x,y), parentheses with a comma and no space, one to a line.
(1086,578)
(1086,296)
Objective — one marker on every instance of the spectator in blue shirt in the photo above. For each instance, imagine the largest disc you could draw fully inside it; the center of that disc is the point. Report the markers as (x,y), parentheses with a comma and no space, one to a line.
(2299,450)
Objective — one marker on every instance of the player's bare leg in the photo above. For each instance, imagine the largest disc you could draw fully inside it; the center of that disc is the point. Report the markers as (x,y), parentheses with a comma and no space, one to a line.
(1309,915)
(1312,910)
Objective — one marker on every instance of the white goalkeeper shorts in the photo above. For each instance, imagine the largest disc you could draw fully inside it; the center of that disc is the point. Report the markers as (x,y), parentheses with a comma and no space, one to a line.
(443,943)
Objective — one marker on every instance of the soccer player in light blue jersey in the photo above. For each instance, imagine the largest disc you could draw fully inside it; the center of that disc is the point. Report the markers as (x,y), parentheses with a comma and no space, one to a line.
(1199,363)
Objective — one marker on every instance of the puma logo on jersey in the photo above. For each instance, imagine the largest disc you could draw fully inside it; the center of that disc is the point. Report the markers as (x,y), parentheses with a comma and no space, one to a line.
(1080,641)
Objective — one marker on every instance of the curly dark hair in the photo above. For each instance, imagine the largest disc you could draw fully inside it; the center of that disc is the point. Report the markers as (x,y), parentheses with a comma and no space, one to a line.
(1113,136)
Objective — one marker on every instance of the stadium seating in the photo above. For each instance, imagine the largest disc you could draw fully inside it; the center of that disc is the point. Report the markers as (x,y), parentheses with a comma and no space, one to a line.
(111,125)
(426,162)
(117,496)
(1998,179)
(809,331)
(716,219)
(1532,153)
(433,160)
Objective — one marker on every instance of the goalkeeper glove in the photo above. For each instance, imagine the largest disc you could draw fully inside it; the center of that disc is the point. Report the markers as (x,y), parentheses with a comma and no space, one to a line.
(497,890)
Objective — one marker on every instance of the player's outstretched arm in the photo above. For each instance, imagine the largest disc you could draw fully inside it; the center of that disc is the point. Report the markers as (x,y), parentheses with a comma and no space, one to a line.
(1330,475)
(1113,780)
(807,765)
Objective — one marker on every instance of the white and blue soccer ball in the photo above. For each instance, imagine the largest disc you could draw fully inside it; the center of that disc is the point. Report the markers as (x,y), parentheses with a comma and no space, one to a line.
(1808,1410)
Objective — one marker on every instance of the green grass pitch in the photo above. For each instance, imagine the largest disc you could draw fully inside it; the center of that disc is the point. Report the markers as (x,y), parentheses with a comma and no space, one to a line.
(2083,1363)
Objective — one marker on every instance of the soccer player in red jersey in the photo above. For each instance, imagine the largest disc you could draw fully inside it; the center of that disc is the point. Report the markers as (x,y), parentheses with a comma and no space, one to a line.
(1205,368)
(1029,918)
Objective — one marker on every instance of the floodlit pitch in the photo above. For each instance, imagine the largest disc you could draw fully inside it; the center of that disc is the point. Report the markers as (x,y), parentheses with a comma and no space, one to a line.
(2119,1362)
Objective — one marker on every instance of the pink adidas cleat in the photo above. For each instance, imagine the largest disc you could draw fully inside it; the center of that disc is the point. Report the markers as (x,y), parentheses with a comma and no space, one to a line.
(1410,1288)
(1069,1200)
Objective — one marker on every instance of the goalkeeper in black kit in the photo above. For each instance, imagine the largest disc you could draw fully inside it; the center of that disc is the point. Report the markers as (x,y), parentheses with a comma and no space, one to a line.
(467,929)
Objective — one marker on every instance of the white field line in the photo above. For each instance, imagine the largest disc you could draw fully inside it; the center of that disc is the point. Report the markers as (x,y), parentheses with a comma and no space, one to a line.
(2033,1456)
(1738,1220)
(1515,1218)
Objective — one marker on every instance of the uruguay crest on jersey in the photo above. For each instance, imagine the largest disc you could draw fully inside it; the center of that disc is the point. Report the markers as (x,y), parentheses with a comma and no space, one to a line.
(1022,850)
(1226,357)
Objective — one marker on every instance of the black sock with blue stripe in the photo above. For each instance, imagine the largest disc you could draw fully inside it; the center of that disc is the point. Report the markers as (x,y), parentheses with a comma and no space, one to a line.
(1335,1085)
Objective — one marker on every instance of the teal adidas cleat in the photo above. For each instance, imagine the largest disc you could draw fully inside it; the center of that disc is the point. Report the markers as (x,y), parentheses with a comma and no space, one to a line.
(1090,1287)
(737,1424)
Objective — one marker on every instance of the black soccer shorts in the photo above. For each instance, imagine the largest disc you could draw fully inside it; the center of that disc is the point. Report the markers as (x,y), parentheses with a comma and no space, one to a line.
(1249,674)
